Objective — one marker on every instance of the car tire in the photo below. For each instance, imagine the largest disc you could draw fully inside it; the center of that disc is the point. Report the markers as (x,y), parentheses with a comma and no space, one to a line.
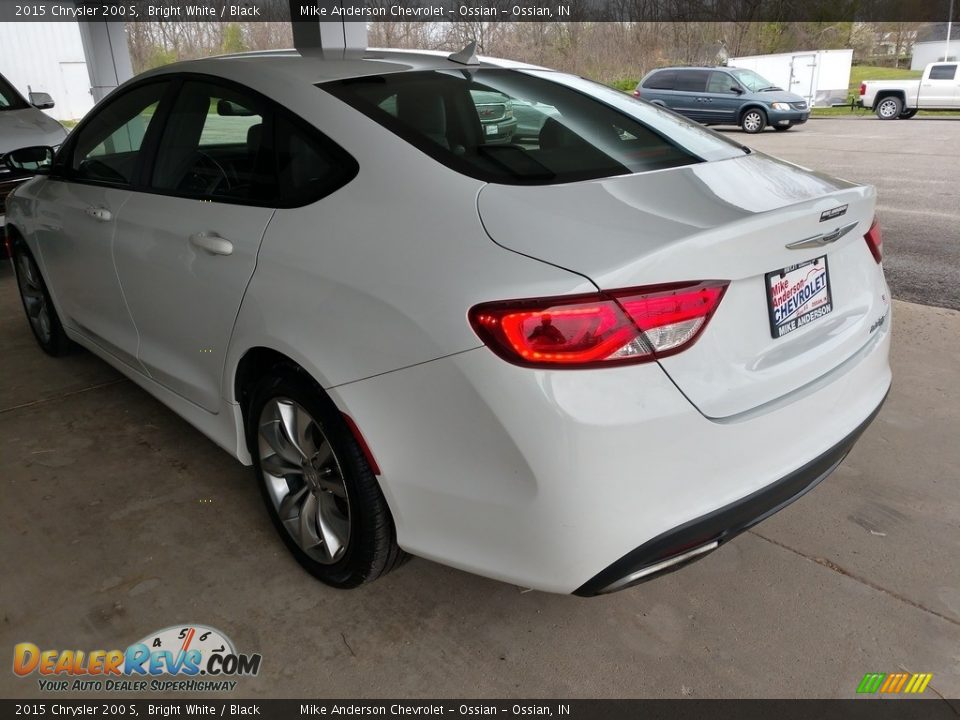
(321,495)
(907,114)
(889,108)
(782,128)
(753,121)
(41,314)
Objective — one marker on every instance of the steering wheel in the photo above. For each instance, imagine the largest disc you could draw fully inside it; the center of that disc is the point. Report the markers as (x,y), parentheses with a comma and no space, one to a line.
(206,176)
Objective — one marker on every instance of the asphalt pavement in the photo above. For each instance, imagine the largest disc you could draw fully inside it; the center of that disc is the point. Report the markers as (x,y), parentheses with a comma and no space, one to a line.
(915,166)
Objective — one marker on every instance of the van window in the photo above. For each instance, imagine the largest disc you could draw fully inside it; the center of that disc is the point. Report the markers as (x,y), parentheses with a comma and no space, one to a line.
(720,82)
(691,81)
(662,80)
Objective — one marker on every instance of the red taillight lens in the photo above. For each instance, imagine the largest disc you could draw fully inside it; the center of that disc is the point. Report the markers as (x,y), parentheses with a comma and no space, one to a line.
(599,329)
(636,93)
(874,240)
(863,88)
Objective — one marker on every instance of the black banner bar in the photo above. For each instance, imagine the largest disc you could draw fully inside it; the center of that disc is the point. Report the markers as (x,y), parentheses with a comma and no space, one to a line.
(826,11)
(892,708)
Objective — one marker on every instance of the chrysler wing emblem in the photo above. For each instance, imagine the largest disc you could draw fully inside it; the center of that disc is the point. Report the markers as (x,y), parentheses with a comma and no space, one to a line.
(821,239)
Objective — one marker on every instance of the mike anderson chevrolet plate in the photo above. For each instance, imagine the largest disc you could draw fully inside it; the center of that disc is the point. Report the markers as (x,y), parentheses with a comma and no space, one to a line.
(797,295)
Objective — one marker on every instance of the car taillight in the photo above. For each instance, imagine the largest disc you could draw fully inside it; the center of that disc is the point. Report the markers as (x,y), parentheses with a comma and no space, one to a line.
(874,240)
(863,88)
(598,329)
(636,93)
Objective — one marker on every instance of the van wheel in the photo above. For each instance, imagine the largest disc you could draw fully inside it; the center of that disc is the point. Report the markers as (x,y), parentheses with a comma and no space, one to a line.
(41,314)
(753,121)
(319,490)
(889,108)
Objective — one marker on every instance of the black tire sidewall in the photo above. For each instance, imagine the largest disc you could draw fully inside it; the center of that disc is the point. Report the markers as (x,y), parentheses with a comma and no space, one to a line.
(894,116)
(58,344)
(363,491)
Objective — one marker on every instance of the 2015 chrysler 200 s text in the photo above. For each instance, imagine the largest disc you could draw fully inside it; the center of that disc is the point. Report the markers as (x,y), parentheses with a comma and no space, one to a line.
(571,363)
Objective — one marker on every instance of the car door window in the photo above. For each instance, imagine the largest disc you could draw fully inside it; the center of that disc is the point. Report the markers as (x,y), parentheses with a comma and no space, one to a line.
(720,82)
(943,72)
(691,81)
(212,146)
(107,148)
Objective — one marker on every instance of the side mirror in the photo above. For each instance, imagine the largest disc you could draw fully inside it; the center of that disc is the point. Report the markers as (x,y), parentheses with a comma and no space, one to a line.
(35,159)
(41,100)
(734,89)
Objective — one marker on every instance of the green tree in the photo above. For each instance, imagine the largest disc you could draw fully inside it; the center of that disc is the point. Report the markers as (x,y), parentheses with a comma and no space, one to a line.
(233,39)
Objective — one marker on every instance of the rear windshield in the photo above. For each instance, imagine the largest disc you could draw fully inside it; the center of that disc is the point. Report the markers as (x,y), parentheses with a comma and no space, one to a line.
(528,127)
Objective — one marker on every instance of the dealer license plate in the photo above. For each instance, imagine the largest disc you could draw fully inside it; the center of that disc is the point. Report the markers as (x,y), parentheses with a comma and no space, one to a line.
(492,129)
(797,295)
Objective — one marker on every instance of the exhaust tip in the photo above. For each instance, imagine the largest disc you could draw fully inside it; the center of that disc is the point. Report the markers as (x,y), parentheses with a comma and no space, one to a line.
(661,568)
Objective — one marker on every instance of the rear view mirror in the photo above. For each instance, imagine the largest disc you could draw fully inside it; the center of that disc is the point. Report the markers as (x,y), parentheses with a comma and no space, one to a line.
(41,100)
(38,158)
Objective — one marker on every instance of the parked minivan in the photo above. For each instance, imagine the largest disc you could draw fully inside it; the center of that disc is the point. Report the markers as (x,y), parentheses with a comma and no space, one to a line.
(724,96)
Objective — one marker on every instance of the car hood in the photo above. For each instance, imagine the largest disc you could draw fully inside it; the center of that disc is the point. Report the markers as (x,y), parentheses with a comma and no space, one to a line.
(778,96)
(23,128)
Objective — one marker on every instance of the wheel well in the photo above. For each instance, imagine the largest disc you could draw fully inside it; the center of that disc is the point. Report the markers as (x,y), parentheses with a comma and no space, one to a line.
(748,108)
(884,94)
(256,363)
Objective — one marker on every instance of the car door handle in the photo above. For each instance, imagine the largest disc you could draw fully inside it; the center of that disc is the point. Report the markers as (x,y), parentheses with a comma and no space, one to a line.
(99,213)
(212,243)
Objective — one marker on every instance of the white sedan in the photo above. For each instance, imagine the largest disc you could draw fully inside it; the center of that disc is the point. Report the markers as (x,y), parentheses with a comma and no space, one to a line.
(572,363)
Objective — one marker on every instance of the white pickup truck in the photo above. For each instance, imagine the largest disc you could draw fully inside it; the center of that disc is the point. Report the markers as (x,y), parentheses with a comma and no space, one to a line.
(938,89)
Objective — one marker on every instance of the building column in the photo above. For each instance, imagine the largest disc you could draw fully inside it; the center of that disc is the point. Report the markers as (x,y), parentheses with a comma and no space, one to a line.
(333,39)
(107,56)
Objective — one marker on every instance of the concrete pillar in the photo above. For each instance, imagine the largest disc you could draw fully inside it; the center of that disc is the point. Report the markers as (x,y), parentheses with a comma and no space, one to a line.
(330,38)
(108,59)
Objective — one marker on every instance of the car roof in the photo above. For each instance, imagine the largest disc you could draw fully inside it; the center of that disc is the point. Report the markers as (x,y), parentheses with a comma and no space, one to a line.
(314,68)
(693,67)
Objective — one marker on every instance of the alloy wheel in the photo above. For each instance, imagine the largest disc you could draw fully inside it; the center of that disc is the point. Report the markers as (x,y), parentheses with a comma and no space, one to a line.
(888,109)
(304,480)
(34,298)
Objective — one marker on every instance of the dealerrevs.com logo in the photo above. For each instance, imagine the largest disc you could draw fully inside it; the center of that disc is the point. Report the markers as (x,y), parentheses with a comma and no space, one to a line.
(184,658)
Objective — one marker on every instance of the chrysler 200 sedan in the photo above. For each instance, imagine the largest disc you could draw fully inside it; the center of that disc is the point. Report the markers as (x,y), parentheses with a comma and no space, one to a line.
(573,364)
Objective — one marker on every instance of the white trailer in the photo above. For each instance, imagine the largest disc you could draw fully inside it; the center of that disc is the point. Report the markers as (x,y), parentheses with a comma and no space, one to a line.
(820,76)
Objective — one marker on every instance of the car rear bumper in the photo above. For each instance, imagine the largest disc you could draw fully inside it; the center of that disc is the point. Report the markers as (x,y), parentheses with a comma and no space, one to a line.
(695,539)
(547,479)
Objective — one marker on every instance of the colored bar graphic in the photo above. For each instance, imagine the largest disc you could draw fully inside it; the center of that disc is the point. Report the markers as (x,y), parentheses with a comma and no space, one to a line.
(913,683)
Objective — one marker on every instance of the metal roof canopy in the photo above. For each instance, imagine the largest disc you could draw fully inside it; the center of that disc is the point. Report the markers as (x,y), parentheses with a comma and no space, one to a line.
(108,58)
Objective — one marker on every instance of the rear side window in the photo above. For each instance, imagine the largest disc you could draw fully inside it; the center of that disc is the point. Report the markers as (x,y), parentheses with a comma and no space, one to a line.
(466,120)
(691,80)
(228,144)
(661,80)
(943,72)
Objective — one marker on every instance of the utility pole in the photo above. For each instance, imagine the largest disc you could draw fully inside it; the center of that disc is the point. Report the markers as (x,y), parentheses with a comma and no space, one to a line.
(946,52)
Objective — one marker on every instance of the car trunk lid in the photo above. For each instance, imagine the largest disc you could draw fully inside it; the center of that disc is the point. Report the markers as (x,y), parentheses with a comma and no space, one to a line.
(726,220)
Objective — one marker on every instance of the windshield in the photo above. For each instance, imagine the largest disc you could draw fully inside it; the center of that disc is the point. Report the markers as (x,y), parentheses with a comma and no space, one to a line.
(9,98)
(750,80)
(570,129)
